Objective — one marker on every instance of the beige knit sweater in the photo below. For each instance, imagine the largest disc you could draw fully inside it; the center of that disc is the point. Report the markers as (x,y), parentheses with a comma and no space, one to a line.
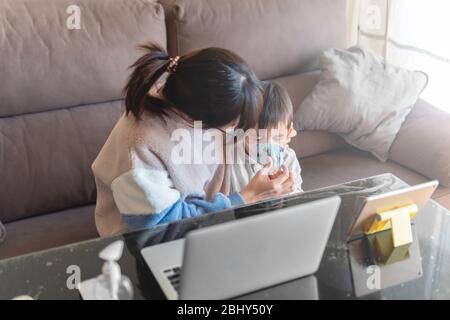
(135,174)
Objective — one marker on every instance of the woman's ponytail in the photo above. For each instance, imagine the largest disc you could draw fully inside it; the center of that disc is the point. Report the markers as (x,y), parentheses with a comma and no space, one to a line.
(211,85)
(146,72)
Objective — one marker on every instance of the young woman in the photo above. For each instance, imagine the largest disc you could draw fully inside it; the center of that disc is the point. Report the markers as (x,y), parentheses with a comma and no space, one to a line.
(138,184)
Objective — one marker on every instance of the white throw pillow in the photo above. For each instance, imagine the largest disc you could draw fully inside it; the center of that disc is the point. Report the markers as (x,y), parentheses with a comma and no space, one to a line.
(362,98)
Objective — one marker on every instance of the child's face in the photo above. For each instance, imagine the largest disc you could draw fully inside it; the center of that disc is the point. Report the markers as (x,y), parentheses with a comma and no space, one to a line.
(281,135)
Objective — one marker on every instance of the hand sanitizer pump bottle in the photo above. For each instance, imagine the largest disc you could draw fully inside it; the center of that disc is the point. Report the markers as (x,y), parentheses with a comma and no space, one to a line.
(111,284)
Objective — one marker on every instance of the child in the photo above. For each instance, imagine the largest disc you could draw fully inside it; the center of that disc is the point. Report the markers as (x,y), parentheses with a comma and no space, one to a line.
(273,136)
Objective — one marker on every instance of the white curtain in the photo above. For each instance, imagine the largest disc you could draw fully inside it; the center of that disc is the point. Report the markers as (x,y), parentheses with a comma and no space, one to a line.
(413,34)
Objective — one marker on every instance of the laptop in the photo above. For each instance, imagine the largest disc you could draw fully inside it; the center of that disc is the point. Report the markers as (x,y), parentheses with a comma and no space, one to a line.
(242,256)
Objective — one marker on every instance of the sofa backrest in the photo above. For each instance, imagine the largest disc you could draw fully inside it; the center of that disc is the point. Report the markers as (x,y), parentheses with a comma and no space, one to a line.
(276,37)
(61,88)
(60,94)
(280,39)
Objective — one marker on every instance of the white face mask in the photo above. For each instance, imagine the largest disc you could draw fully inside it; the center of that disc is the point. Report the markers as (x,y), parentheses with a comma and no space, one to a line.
(275,151)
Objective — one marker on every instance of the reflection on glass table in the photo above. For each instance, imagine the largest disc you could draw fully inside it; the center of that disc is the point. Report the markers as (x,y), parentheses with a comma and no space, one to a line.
(44,275)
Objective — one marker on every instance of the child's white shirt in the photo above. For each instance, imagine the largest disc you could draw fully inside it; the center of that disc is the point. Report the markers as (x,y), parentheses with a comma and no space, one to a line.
(245,169)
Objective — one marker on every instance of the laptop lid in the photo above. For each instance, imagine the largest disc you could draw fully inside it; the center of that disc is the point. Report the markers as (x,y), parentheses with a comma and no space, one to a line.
(245,255)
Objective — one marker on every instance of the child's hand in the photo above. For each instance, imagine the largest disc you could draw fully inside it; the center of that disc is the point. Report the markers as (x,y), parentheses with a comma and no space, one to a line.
(278,173)
(262,186)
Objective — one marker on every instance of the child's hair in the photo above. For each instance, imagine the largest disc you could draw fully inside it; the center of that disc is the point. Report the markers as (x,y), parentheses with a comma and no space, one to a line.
(211,85)
(277,107)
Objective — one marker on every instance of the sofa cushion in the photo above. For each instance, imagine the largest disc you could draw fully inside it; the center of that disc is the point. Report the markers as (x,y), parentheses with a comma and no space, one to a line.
(276,37)
(361,97)
(308,143)
(423,143)
(350,164)
(299,85)
(49,231)
(311,143)
(46,66)
(45,158)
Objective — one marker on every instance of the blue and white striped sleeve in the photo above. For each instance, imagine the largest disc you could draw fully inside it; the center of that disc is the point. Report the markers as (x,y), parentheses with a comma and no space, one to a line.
(145,198)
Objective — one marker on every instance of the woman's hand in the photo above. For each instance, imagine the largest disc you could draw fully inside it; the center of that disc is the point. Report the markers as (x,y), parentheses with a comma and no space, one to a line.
(264,186)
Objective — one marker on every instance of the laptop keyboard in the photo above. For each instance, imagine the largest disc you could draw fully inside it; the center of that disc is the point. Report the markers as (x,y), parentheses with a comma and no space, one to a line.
(173,275)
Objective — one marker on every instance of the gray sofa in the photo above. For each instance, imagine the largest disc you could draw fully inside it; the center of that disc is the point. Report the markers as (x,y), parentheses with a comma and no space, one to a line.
(61,91)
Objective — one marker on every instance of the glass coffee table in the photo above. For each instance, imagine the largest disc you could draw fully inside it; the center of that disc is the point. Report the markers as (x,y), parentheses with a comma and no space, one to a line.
(49,274)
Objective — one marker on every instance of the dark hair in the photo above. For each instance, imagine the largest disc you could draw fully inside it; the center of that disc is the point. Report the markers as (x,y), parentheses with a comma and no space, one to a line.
(211,85)
(277,107)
